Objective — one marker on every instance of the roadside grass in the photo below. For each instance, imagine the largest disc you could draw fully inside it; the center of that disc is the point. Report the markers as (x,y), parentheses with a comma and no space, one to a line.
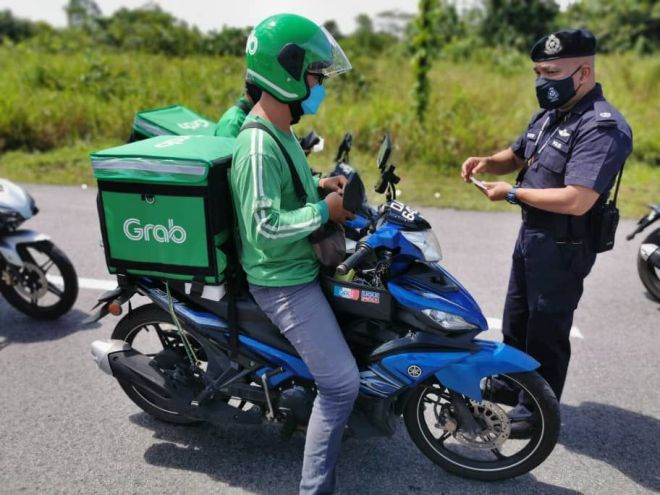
(420,185)
(57,108)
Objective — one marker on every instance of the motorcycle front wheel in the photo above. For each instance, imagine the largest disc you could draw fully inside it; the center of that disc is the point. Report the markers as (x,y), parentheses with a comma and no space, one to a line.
(45,287)
(492,454)
(647,273)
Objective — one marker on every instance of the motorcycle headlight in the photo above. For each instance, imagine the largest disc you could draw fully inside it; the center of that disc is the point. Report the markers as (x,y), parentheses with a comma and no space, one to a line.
(448,321)
(426,242)
(9,215)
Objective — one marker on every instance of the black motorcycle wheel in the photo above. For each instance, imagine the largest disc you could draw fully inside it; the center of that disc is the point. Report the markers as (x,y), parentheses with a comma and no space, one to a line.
(484,463)
(149,330)
(33,291)
(647,273)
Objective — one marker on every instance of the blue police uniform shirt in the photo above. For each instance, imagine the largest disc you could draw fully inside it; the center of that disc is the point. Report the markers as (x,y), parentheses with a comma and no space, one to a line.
(586,146)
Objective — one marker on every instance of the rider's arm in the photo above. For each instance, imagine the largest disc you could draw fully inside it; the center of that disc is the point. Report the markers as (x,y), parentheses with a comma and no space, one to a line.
(257,181)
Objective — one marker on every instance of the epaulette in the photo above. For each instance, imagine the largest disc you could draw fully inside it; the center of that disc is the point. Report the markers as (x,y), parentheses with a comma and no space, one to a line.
(604,114)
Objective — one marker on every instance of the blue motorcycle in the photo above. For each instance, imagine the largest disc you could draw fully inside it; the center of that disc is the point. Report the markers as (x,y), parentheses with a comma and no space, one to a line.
(187,357)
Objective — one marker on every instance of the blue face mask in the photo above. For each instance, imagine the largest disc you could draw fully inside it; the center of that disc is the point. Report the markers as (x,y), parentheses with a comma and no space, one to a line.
(313,101)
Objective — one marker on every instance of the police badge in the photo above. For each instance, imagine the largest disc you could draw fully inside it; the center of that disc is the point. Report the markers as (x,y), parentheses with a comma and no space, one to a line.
(552,45)
(553,95)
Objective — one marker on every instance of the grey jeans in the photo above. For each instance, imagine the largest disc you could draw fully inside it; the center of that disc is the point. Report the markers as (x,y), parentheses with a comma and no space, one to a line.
(304,317)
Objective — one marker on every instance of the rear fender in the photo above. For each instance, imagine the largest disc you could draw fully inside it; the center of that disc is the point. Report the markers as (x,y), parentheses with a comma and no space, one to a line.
(459,371)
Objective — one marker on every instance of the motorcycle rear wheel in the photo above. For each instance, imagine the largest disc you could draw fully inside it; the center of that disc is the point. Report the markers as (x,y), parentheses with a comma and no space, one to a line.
(34,291)
(490,464)
(133,329)
(647,273)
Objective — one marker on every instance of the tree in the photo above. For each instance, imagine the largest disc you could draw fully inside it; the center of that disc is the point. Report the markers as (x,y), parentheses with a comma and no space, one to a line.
(332,27)
(619,25)
(365,40)
(364,24)
(394,22)
(517,23)
(82,14)
(14,28)
(228,41)
(446,25)
(150,29)
(421,43)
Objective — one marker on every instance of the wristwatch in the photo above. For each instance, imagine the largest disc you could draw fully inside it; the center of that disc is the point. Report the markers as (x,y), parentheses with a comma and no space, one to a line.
(511,196)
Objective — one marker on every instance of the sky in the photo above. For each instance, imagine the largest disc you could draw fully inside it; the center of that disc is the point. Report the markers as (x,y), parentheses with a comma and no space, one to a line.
(213,14)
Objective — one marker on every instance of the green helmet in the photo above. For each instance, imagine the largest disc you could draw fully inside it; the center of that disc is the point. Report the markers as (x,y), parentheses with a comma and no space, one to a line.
(283,48)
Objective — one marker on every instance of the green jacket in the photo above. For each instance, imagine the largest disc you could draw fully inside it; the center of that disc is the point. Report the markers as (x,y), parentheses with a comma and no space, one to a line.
(273,225)
(232,120)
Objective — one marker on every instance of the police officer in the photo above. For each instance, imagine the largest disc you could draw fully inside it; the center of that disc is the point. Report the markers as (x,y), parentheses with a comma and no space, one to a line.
(568,158)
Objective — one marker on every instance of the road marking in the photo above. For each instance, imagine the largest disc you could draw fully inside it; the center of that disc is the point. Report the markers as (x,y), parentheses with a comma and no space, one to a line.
(496,324)
(86,283)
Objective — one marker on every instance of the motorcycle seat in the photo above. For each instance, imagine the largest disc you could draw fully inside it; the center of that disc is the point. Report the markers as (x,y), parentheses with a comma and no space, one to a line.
(252,321)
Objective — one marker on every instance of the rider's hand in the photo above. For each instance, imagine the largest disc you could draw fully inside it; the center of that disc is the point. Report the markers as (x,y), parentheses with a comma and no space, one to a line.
(473,165)
(335,204)
(497,191)
(333,184)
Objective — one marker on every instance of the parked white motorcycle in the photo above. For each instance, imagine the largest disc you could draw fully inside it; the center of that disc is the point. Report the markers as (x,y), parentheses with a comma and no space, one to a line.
(35,276)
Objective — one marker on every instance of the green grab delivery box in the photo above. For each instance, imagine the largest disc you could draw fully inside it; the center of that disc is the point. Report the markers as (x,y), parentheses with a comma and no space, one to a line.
(174,120)
(164,207)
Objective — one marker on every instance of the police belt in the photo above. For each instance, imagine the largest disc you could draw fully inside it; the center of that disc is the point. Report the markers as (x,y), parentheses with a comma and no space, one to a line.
(560,227)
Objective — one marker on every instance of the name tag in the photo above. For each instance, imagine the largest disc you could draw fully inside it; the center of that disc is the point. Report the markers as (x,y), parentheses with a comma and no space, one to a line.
(557,144)
(531,135)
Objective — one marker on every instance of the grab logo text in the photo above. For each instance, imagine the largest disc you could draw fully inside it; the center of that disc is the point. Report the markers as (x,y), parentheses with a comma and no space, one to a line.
(159,233)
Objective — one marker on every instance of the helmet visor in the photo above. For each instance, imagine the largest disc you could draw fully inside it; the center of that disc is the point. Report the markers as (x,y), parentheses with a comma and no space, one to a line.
(333,61)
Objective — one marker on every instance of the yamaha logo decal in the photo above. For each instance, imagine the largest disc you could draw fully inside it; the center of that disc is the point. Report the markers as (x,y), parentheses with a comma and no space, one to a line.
(414,371)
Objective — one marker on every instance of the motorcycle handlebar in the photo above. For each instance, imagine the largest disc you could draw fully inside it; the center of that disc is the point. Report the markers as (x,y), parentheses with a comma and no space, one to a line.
(354,259)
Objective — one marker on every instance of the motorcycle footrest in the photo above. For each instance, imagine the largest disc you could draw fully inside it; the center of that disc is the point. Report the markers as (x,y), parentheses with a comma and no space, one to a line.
(246,392)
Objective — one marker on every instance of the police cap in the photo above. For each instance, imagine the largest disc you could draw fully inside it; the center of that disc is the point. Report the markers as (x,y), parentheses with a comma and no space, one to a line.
(564,44)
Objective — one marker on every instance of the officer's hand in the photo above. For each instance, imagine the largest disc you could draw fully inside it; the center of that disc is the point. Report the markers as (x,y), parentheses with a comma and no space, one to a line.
(335,202)
(497,191)
(473,165)
(333,184)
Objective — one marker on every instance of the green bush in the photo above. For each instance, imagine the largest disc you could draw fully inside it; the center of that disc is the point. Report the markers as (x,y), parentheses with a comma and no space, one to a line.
(81,101)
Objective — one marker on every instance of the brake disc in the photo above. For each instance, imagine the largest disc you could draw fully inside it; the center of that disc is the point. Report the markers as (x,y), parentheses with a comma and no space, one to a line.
(31,281)
(496,426)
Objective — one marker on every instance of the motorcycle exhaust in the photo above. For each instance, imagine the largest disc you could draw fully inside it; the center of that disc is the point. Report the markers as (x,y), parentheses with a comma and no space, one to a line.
(101,350)
(119,359)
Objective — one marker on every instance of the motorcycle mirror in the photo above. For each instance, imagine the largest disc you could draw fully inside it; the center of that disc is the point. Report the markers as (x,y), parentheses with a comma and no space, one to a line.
(384,153)
(344,147)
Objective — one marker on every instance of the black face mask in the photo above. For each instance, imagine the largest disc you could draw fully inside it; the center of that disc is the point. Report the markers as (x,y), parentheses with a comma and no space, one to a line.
(555,93)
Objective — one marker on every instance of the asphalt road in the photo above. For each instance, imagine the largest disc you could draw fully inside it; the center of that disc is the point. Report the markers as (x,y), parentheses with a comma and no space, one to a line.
(68,428)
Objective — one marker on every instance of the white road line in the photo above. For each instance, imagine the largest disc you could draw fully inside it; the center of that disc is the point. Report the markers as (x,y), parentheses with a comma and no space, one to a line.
(87,283)
(496,324)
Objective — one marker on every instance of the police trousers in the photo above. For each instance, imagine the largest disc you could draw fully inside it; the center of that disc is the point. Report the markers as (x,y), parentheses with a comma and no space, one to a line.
(545,286)
(304,317)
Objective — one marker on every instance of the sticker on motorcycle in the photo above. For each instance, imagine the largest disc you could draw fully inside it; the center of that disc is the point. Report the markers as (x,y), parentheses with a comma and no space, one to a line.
(346,293)
(370,297)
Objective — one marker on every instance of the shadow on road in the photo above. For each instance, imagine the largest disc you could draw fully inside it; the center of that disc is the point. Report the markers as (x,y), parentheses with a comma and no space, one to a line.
(15,327)
(255,459)
(626,440)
